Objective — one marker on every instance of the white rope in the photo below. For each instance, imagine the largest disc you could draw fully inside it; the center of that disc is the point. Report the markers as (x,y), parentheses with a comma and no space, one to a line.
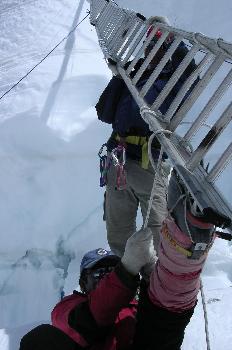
(157,170)
(205,316)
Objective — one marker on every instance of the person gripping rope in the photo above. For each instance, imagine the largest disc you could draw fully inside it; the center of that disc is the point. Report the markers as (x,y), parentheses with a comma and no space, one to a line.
(105,315)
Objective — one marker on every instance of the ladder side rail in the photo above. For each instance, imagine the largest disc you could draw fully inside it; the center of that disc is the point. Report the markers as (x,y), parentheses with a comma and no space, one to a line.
(99,7)
(208,141)
(190,36)
(175,76)
(220,91)
(216,46)
(205,193)
(100,13)
(95,8)
(212,45)
(149,58)
(221,164)
(160,66)
(224,45)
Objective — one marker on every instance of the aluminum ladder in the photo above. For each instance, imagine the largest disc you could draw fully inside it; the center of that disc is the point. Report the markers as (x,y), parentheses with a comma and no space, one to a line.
(122,36)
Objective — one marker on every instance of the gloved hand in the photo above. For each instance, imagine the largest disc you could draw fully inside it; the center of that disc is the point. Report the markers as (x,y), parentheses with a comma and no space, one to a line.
(139,252)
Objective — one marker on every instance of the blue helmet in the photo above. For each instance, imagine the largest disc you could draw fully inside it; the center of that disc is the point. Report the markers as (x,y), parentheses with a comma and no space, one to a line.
(92,257)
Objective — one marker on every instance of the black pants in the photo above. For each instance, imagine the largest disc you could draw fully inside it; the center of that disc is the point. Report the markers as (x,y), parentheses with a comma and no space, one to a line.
(47,337)
(158,328)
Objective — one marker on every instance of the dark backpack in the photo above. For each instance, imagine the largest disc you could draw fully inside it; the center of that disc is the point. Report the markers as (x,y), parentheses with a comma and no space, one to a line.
(128,111)
(108,101)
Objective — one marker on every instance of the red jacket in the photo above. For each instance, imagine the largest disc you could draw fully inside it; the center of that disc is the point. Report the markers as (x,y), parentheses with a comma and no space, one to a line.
(105,318)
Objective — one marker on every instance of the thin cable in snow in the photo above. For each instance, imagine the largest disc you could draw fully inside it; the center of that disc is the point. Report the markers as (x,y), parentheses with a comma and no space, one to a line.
(205,316)
(44,58)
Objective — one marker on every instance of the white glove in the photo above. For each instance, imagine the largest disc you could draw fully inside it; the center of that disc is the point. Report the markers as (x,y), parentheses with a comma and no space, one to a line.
(139,252)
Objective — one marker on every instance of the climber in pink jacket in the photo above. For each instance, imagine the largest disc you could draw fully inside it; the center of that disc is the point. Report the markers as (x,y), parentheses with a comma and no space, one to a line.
(103,315)
(167,303)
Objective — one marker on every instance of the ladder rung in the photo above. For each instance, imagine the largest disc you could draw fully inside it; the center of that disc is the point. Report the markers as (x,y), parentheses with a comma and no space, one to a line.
(185,88)
(117,28)
(134,46)
(129,39)
(219,167)
(175,77)
(209,107)
(149,58)
(210,138)
(117,43)
(141,50)
(102,19)
(198,89)
(160,66)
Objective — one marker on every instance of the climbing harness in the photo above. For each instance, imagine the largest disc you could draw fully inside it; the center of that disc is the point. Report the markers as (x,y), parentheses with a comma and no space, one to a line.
(141,141)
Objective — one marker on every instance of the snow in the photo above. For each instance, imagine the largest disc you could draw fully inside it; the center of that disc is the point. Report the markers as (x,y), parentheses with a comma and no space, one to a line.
(50,199)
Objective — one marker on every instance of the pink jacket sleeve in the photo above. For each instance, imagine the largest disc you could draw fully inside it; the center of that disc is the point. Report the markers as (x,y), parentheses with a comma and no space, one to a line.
(175,281)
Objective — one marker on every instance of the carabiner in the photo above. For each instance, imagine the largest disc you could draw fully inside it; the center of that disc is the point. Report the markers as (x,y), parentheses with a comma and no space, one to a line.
(121,159)
(118,156)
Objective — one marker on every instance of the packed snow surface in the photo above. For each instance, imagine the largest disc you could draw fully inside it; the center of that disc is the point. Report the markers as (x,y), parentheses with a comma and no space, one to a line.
(50,199)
